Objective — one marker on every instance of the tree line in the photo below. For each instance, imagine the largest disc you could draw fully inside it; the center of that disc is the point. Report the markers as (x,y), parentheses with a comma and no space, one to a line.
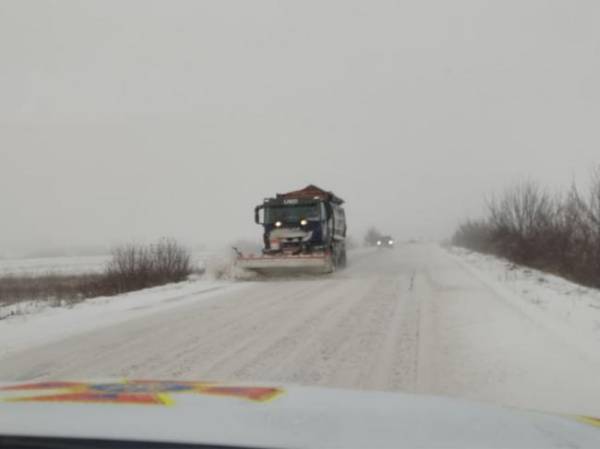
(558,233)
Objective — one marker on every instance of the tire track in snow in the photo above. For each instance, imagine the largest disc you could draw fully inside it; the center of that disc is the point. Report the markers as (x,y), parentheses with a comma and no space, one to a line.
(393,361)
(311,360)
(208,335)
(216,357)
(300,334)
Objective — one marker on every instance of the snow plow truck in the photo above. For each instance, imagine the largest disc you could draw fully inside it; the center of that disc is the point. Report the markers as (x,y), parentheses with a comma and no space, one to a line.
(304,231)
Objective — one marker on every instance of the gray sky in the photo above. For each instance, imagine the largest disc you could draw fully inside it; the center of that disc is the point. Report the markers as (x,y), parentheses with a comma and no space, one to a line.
(134,119)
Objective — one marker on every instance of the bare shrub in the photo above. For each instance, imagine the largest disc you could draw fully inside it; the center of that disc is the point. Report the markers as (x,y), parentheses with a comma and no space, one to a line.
(519,220)
(473,234)
(134,267)
(530,227)
(593,249)
(571,233)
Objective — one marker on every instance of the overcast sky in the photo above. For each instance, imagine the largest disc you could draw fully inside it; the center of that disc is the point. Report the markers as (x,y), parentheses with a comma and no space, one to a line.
(126,120)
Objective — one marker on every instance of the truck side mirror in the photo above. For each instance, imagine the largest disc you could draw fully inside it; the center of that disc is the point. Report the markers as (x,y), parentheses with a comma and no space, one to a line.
(259,214)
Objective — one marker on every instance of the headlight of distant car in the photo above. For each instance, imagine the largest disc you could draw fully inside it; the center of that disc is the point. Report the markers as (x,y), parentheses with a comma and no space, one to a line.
(390,242)
(303,222)
(278,224)
(378,242)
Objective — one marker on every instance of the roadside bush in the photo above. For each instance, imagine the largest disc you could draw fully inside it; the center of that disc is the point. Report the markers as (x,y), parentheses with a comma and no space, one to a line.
(528,226)
(473,234)
(132,267)
(520,220)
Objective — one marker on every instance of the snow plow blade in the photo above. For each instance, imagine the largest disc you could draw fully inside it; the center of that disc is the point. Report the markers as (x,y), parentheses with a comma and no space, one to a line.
(287,264)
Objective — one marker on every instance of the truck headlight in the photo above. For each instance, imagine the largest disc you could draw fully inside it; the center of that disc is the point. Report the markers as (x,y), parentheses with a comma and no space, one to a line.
(303,222)
(378,242)
(390,242)
(278,224)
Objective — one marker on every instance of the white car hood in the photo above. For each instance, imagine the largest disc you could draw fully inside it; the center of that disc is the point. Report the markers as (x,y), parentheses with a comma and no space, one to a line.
(250,415)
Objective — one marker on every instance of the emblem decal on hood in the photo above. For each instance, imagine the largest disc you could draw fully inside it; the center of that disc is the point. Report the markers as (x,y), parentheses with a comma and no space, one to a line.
(147,392)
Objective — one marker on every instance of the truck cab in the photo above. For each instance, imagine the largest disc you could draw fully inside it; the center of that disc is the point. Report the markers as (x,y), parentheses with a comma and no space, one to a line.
(304,222)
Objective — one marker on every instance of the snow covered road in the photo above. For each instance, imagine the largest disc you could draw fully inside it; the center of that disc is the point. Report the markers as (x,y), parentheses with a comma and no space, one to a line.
(413,319)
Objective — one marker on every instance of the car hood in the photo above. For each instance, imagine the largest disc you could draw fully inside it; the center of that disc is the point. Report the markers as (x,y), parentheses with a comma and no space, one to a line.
(269,416)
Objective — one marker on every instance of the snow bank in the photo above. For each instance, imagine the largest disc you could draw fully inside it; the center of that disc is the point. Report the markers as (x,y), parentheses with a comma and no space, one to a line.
(28,307)
(567,308)
(42,323)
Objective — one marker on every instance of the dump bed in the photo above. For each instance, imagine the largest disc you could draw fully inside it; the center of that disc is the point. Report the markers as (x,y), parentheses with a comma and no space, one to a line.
(311,192)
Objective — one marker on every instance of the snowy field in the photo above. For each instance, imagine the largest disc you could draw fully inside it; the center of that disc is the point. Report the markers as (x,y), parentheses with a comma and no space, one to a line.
(70,264)
(37,323)
(53,265)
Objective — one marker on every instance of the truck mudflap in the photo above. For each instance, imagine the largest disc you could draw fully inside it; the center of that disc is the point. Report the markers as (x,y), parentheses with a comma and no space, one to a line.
(287,263)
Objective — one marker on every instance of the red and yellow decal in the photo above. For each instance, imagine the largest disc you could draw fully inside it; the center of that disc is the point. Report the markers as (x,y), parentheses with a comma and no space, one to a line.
(589,420)
(146,392)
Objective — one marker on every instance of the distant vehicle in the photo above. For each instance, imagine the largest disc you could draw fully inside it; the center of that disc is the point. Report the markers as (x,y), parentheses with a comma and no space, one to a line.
(303,230)
(385,241)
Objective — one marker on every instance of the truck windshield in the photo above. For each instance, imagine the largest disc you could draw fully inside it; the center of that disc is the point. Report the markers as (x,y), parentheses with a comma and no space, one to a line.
(289,213)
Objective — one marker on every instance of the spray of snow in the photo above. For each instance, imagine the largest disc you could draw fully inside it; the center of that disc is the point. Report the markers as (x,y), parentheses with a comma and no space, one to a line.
(221,266)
